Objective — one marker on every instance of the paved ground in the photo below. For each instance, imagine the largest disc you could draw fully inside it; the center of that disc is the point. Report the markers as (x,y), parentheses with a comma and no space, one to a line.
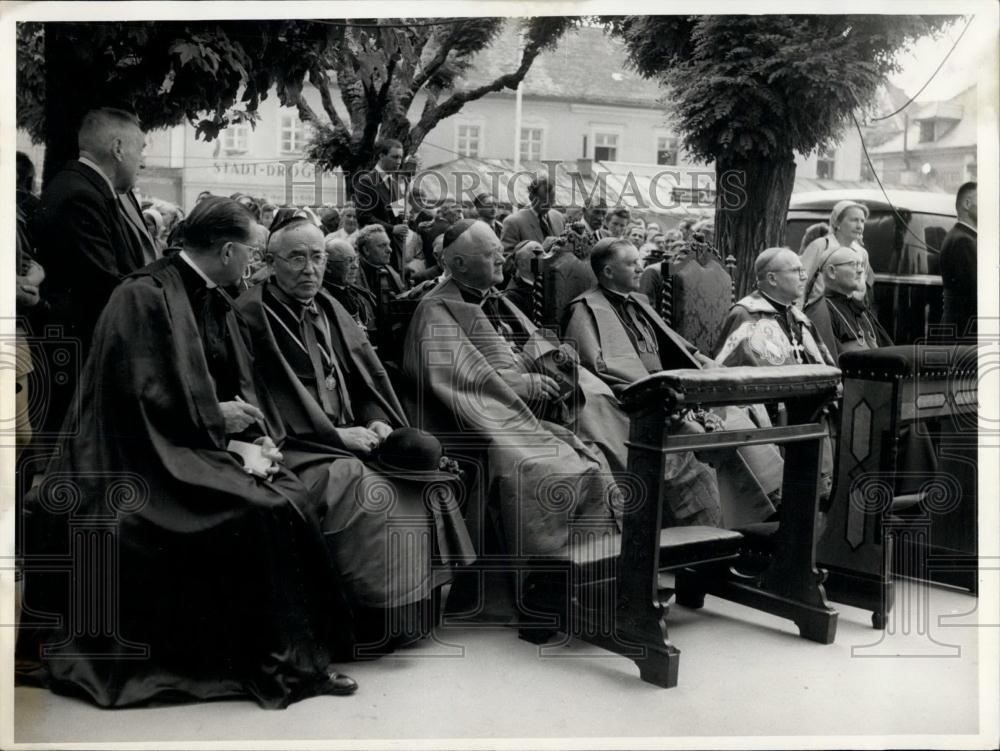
(742,674)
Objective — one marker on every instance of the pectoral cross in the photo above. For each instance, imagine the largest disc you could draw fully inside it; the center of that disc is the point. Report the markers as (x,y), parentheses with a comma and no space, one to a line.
(797,349)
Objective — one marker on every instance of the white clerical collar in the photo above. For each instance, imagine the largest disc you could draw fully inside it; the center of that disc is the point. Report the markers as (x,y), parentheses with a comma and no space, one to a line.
(99,171)
(187,259)
(969,226)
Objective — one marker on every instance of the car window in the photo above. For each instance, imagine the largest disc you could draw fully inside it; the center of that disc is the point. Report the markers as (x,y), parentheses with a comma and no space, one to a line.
(881,232)
(922,248)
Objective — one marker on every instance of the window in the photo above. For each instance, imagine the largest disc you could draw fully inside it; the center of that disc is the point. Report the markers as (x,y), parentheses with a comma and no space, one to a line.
(469,137)
(824,164)
(666,150)
(926,131)
(236,139)
(866,172)
(294,134)
(531,144)
(605,147)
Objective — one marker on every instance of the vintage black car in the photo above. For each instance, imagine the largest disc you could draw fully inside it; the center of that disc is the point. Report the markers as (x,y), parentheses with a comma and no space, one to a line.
(903,236)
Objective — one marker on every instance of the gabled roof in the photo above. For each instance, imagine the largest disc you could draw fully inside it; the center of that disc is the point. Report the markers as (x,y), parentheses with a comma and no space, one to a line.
(963,134)
(586,66)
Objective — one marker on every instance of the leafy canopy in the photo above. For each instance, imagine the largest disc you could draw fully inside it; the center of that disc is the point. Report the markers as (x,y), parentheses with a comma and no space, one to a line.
(745,87)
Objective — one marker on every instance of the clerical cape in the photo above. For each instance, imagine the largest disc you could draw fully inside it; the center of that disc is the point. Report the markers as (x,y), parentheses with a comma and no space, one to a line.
(756,332)
(546,475)
(760,333)
(744,481)
(383,532)
(191,579)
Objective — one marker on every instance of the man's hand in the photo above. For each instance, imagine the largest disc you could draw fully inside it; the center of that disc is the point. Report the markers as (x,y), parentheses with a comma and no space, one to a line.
(238,416)
(380,429)
(34,274)
(401,231)
(269,450)
(706,361)
(27,294)
(361,440)
(531,387)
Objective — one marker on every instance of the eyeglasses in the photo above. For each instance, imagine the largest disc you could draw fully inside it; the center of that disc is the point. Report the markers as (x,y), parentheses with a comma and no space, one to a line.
(255,252)
(797,270)
(298,261)
(858,265)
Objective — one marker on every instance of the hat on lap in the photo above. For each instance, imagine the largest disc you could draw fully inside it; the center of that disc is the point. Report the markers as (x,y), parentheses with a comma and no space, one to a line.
(410,454)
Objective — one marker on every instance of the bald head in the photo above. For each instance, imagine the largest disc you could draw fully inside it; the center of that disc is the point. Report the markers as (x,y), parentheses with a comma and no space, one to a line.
(114,141)
(844,271)
(473,254)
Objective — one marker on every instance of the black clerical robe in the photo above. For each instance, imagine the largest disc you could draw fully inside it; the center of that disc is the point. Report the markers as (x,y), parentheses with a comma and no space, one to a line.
(383,549)
(845,324)
(198,581)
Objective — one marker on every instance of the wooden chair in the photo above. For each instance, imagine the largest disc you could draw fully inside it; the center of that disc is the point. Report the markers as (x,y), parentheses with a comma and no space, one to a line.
(605,592)
(883,518)
(559,277)
(393,317)
(696,293)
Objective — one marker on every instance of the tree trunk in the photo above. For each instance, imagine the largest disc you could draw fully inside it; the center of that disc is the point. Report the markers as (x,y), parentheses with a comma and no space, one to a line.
(70,90)
(751,208)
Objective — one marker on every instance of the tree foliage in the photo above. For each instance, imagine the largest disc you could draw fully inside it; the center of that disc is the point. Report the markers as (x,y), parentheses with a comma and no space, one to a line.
(368,73)
(748,92)
(369,78)
(167,72)
(769,85)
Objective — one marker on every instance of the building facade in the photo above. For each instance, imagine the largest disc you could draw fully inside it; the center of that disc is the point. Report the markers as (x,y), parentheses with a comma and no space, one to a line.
(578,102)
(936,149)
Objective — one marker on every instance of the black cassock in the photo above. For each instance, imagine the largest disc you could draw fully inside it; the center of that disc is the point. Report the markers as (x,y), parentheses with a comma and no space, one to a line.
(173,573)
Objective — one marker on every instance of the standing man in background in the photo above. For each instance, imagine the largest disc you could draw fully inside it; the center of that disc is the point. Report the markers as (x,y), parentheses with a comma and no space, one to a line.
(84,240)
(958,265)
(380,195)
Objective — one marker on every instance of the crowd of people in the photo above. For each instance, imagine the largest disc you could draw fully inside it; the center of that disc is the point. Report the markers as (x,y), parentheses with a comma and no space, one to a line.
(288,487)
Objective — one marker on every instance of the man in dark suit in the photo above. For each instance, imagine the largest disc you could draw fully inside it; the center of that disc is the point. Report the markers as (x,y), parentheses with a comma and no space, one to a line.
(486,210)
(379,196)
(958,264)
(374,253)
(84,241)
(535,221)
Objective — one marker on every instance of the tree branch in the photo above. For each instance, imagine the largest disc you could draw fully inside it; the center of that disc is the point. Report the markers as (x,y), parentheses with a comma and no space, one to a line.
(433,65)
(432,114)
(322,83)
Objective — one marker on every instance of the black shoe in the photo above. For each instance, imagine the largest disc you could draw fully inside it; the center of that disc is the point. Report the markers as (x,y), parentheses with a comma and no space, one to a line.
(339,684)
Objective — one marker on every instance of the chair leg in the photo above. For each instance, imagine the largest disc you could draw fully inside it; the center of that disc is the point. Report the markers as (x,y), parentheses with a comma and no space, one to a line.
(689,594)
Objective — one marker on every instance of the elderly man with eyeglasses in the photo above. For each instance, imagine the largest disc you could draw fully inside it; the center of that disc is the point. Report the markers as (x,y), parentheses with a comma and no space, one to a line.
(765,327)
(841,317)
(333,393)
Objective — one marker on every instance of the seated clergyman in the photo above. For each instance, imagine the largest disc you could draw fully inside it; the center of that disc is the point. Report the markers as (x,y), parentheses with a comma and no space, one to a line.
(622,339)
(841,316)
(341,281)
(223,584)
(332,390)
(765,329)
(479,364)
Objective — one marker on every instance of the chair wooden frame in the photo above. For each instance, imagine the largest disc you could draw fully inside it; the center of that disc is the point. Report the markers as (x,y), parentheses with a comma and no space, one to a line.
(629,620)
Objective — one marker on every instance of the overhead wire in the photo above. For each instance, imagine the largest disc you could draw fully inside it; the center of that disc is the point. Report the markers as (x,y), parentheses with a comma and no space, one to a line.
(936,70)
(904,222)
